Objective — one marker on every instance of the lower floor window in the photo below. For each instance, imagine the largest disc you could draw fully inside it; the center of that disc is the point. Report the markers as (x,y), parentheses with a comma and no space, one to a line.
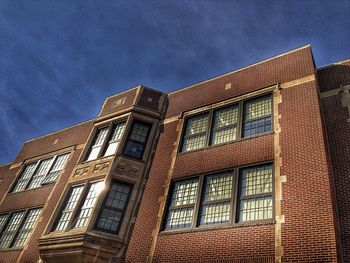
(15,227)
(240,195)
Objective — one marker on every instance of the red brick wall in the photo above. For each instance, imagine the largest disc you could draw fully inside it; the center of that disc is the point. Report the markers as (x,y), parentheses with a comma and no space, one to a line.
(285,68)
(308,234)
(338,133)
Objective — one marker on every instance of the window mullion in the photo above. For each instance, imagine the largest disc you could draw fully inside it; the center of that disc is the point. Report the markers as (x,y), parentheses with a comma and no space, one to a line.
(235,193)
(198,201)
(209,128)
(240,120)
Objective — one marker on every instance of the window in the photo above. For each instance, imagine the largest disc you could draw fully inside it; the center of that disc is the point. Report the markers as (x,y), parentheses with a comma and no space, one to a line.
(213,199)
(113,208)
(40,172)
(106,141)
(181,207)
(137,140)
(15,227)
(225,124)
(86,195)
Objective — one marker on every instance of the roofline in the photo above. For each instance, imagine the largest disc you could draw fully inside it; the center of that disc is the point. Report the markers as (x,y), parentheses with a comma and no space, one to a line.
(240,69)
(51,133)
(4,164)
(332,64)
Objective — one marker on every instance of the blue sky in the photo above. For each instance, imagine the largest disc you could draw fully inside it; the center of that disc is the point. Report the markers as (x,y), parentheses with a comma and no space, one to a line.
(60,59)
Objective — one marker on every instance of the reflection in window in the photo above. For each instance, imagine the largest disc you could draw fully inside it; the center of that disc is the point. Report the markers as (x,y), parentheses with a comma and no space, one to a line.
(195,135)
(183,198)
(137,140)
(225,125)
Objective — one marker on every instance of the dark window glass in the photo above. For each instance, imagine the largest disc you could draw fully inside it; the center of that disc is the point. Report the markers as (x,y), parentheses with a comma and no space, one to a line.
(255,193)
(181,207)
(137,140)
(257,116)
(113,209)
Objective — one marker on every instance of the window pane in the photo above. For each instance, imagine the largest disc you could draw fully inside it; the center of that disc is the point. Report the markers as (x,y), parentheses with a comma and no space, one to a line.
(216,213)
(218,187)
(225,117)
(27,227)
(256,180)
(185,192)
(114,207)
(179,218)
(3,219)
(98,141)
(256,208)
(257,116)
(224,135)
(89,203)
(69,207)
(25,177)
(114,141)
(10,230)
(56,168)
(196,124)
(256,193)
(40,173)
(196,133)
(139,132)
(137,140)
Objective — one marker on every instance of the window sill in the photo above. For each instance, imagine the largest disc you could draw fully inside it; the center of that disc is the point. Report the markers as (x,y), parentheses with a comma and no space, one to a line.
(225,143)
(98,159)
(10,249)
(33,189)
(217,227)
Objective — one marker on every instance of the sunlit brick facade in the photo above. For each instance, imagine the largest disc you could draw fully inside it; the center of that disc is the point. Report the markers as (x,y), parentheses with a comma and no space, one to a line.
(250,166)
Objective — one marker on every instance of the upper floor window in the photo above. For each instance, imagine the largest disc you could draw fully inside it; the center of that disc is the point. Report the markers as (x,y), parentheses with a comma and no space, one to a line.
(106,141)
(40,172)
(15,227)
(137,139)
(213,199)
(246,118)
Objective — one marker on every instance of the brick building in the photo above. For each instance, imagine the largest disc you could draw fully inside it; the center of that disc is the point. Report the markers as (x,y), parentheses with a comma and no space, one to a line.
(244,167)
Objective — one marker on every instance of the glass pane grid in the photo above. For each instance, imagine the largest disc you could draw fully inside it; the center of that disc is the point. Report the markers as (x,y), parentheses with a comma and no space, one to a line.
(257,108)
(27,227)
(196,124)
(89,203)
(256,180)
(60,163)
(100,137)
(139,132)
(256,208)
(3,219)
(257,126)
(10,230)
(179,218)
(217,213)
(185,192)
(218,187)
(40,173)
(113,208)
(118,131)
(25,177)
(67,212)
(225,117)
(194,142)
(224,135)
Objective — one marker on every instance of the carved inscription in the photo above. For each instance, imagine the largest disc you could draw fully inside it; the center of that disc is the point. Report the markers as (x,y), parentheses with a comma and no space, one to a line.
(123,169)
(100,167)
(81,171)
(118,102)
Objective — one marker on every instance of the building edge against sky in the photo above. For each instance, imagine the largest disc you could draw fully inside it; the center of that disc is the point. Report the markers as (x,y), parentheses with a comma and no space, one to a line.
(249,166)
